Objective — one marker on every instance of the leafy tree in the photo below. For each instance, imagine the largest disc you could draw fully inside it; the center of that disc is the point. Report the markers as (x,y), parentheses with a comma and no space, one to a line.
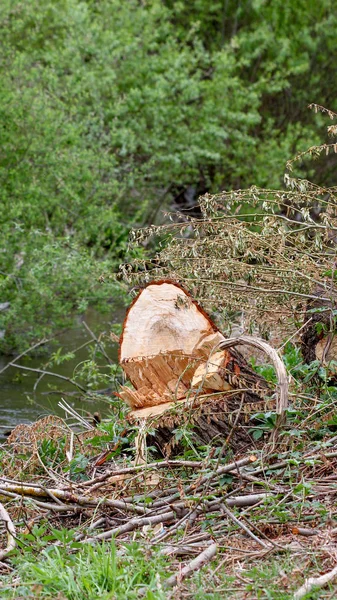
(109,109)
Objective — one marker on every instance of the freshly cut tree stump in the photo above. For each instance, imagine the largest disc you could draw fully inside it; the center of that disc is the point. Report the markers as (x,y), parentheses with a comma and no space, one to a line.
(182,371)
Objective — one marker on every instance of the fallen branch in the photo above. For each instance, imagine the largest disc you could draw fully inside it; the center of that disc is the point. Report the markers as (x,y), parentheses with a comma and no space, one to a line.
(43,505)
(306,532)
(194,565)
(11,532)
(282,400)
(26,490)
(13,362)
(249,500)
(133,524)
(243,526)
(234,466)
(315,582)
(193,487)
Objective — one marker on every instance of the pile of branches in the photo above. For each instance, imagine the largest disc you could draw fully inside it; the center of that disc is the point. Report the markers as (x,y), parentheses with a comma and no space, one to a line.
(190,510)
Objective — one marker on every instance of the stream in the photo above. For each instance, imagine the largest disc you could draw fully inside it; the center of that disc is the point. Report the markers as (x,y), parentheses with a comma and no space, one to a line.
(18,401)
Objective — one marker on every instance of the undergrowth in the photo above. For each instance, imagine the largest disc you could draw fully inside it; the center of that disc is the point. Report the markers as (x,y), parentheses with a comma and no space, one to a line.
(52,562)
(48,571)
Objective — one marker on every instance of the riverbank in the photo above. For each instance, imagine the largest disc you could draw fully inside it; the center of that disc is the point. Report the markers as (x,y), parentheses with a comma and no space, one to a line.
(25,396)
(196,526)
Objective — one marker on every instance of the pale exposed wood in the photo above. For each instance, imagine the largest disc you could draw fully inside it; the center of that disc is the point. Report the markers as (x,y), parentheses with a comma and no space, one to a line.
(195,564)
(11,532)
(315,582)
(283,384)
(211,374)
(151,411)
(165,337)
(163,319)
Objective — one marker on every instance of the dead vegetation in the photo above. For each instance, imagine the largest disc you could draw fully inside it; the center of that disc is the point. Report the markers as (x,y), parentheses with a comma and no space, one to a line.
(242,509)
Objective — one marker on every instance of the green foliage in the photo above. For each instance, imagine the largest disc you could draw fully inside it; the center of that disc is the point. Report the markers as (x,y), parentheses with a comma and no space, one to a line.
(93,572)
(109,109)
(49,280)
(77,468)
(52,452)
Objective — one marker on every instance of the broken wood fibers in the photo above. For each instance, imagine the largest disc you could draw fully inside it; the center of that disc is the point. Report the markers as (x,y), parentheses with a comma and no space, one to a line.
(169,350)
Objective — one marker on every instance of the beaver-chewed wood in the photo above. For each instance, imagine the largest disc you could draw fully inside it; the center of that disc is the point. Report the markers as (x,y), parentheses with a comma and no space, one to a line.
(171,352)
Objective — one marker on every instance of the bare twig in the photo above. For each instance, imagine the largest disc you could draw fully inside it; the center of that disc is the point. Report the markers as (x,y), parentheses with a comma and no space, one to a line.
(133,524)
(26,490)
(192,566)
(242,525)
(42,371)
(95,338)
(71,411)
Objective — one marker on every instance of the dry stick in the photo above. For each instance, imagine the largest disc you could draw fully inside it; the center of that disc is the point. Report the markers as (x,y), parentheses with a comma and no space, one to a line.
(315,582)
(305,531)
(249,500)
(133,524)
(37,382)
(242,525)
(183,550)
(294,334)
(194,565)
(285,463)
(11,532)
(45,505)
(49,471)
(71,411)
(80,387)
(155,465)
(282,399)
(26,490)
(208,478)
(169,463)
(94,525)
(191,514)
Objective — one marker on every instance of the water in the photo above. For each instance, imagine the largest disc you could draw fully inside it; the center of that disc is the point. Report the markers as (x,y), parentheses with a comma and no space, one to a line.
(18,401)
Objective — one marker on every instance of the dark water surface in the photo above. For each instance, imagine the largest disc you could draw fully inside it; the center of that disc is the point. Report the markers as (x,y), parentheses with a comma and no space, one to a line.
(19,403)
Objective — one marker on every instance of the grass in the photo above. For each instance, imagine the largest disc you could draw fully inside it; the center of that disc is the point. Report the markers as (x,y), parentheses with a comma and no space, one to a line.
(131,571)
(102,571)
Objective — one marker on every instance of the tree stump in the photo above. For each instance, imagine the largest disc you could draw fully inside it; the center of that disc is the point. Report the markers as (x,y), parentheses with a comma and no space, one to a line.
(183,372)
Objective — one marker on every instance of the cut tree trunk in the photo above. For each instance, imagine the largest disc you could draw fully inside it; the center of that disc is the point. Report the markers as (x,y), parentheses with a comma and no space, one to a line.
(184,372)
